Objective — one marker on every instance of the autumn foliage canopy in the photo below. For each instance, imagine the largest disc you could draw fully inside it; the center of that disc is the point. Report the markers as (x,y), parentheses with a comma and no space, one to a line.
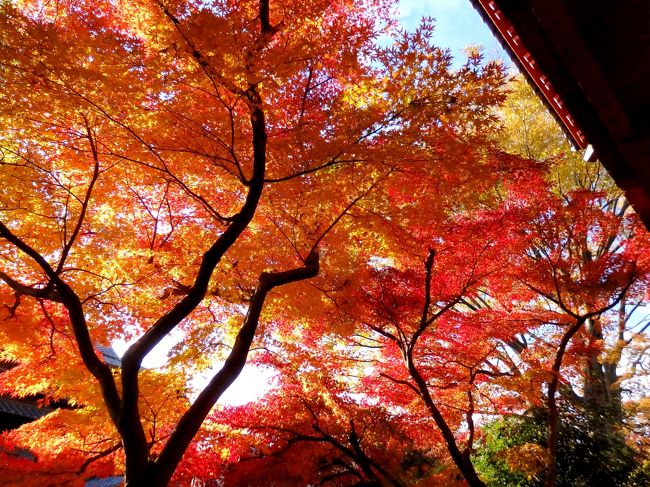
(303,187)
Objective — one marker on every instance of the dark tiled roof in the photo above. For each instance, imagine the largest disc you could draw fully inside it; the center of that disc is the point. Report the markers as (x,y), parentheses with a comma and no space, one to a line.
(110,357)
(115,481)
(28,409)
(22,409)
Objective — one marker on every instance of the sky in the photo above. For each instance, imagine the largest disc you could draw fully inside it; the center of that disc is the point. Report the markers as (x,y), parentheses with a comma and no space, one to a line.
(458,25)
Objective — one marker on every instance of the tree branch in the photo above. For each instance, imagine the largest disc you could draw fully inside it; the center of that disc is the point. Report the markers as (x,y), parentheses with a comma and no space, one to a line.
(44,293)
(191,421)
(84,204)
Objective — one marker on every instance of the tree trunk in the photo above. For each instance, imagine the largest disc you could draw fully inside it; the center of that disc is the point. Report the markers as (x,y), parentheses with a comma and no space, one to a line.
(460,458)
(553,417)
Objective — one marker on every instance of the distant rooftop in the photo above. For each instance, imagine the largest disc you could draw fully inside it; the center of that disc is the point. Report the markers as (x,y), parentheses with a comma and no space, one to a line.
(114,481)
(110,357)
(22,409)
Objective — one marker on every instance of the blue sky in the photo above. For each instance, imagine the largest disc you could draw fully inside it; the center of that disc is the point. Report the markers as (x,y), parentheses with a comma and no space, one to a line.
(458,25)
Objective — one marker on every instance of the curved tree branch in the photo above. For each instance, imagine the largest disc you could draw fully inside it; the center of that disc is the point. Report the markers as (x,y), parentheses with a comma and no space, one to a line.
(161,471)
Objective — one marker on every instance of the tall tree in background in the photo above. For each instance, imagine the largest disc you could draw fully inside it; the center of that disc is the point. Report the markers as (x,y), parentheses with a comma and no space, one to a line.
(175,168)
(586,271)
(582,263)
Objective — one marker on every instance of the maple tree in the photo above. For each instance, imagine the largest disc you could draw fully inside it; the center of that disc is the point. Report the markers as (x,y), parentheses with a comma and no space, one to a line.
(181,166)
(308,432)
(426,357)
(420,338)
(489,323)
(262,180)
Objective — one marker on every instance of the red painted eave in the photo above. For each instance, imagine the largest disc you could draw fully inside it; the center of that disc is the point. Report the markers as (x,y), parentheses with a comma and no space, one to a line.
(590,61)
